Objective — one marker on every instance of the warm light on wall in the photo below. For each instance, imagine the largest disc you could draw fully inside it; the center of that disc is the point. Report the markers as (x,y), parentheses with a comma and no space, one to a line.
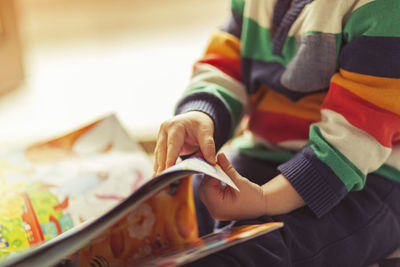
(85,58)
(10,50)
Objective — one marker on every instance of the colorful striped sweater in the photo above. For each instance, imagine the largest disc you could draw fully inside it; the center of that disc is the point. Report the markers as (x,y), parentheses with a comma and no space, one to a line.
(319,81)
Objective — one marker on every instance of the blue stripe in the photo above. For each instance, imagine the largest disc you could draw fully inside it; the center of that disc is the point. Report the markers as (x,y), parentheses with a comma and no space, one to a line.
(257,72)
(376,56)
(287,22)
(234,25)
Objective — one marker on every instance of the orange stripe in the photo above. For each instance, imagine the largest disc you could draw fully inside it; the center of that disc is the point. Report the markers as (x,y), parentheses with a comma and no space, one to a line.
(382,92)
(307,107)
(224,44)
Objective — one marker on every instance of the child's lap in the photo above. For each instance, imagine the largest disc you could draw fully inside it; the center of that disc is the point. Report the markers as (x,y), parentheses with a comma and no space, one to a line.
(362,228)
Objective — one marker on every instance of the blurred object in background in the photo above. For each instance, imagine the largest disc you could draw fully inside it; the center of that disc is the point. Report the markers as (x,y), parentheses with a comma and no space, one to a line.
(86,58)
(10,49)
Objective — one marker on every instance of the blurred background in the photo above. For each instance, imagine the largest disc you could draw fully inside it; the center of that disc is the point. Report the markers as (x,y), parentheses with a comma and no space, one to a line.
(64,63)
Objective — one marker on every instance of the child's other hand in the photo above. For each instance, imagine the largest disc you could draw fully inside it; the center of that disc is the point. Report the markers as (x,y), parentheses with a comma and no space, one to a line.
(225,203)
(184,134)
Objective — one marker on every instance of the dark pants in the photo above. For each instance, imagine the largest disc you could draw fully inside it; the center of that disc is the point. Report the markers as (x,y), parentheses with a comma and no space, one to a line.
(363,228)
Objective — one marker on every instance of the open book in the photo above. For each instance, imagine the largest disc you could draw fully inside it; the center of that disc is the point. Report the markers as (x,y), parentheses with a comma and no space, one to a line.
(87,199)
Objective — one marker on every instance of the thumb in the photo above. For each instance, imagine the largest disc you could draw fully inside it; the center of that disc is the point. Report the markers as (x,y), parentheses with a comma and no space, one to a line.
(207,145)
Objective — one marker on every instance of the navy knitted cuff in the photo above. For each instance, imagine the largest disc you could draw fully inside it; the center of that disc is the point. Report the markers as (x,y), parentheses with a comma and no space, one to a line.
(315,182)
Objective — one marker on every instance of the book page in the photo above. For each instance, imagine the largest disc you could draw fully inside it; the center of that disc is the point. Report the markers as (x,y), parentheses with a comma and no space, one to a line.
(163,222)
(51,187)
(200,165)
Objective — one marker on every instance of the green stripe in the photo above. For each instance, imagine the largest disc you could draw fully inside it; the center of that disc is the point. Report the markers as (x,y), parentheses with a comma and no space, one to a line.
(378,18)
(251,149)
(389,172)
(347,172)
(234,106)
(257,44)
(237,6)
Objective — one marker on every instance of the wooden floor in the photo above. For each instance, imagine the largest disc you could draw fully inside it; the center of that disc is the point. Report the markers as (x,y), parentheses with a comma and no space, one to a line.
(86,58)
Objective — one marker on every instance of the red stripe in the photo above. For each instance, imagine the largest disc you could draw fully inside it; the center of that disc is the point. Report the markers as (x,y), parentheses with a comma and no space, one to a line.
(382,124)
(276,127)
(229,66)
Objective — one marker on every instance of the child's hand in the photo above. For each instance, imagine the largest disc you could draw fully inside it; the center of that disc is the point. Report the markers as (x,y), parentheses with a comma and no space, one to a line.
(225,203)
(277,196)
(184,134)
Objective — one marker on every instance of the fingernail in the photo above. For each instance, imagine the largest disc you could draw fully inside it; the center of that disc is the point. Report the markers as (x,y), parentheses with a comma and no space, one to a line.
(213,160)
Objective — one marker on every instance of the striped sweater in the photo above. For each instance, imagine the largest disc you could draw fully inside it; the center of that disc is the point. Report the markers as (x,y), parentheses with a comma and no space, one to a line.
(319,81)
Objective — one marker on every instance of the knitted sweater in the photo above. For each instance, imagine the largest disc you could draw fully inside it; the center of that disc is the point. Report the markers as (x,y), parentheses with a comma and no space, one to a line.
(319,81)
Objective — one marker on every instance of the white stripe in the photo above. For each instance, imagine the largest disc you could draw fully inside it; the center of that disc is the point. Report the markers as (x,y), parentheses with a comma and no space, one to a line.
(260,11)
(292,145)
(211,74)
(394,158)
(314,16)
(363,150)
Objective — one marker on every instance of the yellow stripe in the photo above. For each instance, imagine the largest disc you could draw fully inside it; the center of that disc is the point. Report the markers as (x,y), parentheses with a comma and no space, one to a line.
(382,92)
(224,44)
(307,107)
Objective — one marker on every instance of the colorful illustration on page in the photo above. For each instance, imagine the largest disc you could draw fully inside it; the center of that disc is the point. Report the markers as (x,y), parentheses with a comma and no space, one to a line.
(164,221)
(53,186)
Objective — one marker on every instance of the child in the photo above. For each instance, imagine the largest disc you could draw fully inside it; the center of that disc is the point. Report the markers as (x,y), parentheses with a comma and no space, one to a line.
(319,81)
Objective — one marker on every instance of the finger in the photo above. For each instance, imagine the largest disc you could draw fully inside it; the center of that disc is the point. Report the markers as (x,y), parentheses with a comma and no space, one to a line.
(207,145)
(155,165)
(209,190)
(176,139)
(161,152)
(215,197)
(228,168)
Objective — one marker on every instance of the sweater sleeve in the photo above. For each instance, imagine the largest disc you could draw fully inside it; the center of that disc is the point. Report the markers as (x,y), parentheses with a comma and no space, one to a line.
(360,115)
(216,86)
